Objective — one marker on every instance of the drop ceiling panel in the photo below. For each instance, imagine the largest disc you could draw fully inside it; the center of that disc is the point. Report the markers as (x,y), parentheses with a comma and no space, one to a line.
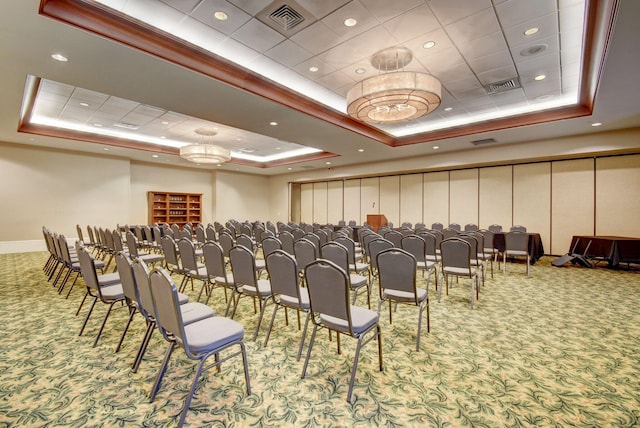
(476,26)
(547,25)
(385,10)
(257,36)
(490,62)
(320,9)
(317,38)
(515,12)
(412,24)
(449,11)
(355,10)
(497,75)
(288,53)
(252,7)
(482,46)
(204,12)
(184,6)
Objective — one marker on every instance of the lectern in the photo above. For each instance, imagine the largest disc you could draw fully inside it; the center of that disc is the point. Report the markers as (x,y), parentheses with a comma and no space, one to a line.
(376,220)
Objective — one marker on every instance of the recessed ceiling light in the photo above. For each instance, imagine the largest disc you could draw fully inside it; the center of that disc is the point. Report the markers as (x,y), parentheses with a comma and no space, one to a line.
(436,147)
(97,125)
(360,70)
(163,137)
(361,150)
(289,168)
(540,77)
(164,122)
(448,109)
(84,104)
(350,22)
(106,149)
(531,31)
(59,57)
(313,69)
(221,16)
(328,163)
(596,124)
(155,156)
(219,164)
(273,123)
(429,44)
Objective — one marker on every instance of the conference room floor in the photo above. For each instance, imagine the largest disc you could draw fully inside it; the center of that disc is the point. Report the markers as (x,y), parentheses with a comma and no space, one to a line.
(557,349)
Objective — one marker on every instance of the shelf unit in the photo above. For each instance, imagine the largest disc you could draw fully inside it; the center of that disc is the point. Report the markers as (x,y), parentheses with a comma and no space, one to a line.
(172,207)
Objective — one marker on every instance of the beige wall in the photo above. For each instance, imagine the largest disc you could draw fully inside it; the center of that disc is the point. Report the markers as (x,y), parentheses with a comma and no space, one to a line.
(242,197)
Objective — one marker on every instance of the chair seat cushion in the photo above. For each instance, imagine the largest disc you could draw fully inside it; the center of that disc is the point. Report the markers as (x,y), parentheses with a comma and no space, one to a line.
(151,258)
(201,273)
(212,333)
(221,281)
(182,298)
(357,281)
(404,296)
(362,319)
(516,253)
(359,267)
(427,265)
(112,292)
(459,271)
(292,301)
(194,312)
(263,290)
(109,279)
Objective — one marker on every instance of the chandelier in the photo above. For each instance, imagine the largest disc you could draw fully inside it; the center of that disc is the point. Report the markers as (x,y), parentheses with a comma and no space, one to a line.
(394,95)
(205,151)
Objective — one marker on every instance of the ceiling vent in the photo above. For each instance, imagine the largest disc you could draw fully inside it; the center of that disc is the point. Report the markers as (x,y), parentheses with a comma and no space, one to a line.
(484,141)
(286,17)
(505,85)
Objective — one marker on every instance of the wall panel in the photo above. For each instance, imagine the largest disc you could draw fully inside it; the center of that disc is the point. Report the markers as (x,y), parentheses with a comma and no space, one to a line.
(411,204)
(463,194)
(320,203)
(436,198)
(306,203)
(532,199)
(572,202)
(352,200)
(390,199)
(495,196)
(370,198)
(335,197)
(618,196)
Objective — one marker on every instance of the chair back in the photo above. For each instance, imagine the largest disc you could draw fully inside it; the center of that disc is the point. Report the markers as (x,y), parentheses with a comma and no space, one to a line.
(201,235)
(470,227)
(323,237)
(376,247)
(437,226)
(227,241)
(488,240)
(456,253)
(305,252)
(108,240)
(187,254)
(214,259)
(88,269)
(449,233)
(79,232)
(431,244)
(210,232)
(176,229)
(270,244)
(495,228)
(92,238)
(283,273)
(350,245)
(518,228)
(297,233)
(352,223)
(366,240)
(243,266)
(246,241)
(127,279)
(287,240)
(246,229)
(395,237)
(455,226)
(132,244)
(516,240)
(416,246)
(473,242)
(336,253)
(117,241)
(170,252)
(328,286)
(141,276)
(157,234)
(167,307)
(397,271)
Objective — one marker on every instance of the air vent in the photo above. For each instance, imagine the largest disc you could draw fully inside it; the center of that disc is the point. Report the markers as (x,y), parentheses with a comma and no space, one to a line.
(126,125)
(286,17)
(505,85)
(484,141)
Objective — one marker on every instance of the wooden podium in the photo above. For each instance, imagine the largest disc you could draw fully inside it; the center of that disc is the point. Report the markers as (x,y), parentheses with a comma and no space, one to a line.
(376,220)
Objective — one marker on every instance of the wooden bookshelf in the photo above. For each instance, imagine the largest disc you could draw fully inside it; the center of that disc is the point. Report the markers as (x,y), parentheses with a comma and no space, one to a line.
(172,207)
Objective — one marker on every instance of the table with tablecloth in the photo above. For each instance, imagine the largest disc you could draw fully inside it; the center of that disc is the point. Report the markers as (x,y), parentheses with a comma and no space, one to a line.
(536,250)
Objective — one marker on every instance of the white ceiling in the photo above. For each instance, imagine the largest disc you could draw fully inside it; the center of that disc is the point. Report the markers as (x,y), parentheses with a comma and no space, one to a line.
(477,42)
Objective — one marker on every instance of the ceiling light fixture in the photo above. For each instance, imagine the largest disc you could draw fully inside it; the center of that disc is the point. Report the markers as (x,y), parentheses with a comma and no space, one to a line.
(531,31)
(205,152)
(540,77)
(220,15)
(313,69)
(59,57)
(429,44)
(350,22)
(394,95)
(596,124)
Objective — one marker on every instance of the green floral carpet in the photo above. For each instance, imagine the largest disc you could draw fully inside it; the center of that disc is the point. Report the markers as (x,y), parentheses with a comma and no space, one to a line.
(561,348)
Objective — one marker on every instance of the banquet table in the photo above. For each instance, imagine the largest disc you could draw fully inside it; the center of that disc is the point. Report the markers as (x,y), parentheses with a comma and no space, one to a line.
(536,250)
(613,249)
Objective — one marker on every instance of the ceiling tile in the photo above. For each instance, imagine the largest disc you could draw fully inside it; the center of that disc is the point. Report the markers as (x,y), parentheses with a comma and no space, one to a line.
(497,75)
(200,34)
(354,10)
(252,7)
(462,85)
(447,63)
(236,18)
(449,11)
(288,53)
(320,9)
(473,27)
(483,46)
(257,36)
(515,12)
(385,10)
(490,62)
(412,23)
(514,97)
(547,25)
(360,47)
(317,38)
(184,6)
(551,44)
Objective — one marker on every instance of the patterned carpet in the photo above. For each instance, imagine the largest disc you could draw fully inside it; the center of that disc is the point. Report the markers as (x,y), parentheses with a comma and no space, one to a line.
(561,348)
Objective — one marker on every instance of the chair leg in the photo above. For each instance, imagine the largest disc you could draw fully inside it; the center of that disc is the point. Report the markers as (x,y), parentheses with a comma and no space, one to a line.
(95,299)
(306,360)
(72,284)
(263,304)
(304,334)
(245,363)
(143,346)
(161,372)
(194,384)
(132,310)
(104,321)
(82,303)
(273,317)
(355,367)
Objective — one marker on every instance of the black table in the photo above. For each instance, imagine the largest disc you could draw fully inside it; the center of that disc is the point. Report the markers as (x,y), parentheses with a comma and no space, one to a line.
(613,249)
(536,250)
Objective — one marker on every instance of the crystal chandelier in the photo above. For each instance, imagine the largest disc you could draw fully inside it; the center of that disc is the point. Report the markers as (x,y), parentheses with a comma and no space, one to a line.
(205,152)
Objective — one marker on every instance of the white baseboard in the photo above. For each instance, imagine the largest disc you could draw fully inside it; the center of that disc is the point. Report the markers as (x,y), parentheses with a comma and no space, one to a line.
(22,246)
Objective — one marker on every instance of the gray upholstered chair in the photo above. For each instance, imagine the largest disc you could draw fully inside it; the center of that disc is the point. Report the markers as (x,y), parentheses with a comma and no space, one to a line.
(338,254)
(192,268)
(217,272)
(329,290)
(516,244)
(397,274)
(286,290)
(200,340)
(417,247)
(456,261)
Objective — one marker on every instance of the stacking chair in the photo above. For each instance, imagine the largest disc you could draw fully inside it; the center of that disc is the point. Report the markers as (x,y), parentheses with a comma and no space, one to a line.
(495,228)
(455,226)
(471,227)
(107,294)
(490,251)
(171,259)
(200,340)
(518,228)
(287,240)
(286,291)
(449,233)
(248,242)
(193,269)
(364,245)
(227,242)
(478,259)
(338,254)
(516,244)
(217,272)
(71,265)
(395,237)
(132,247)
(269,245)
(247,282)
(210,233)
(417,247)
(397,270)
(437,226)
(355,255)
(191,312)
(329,290)
(305,252)
(456,256)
